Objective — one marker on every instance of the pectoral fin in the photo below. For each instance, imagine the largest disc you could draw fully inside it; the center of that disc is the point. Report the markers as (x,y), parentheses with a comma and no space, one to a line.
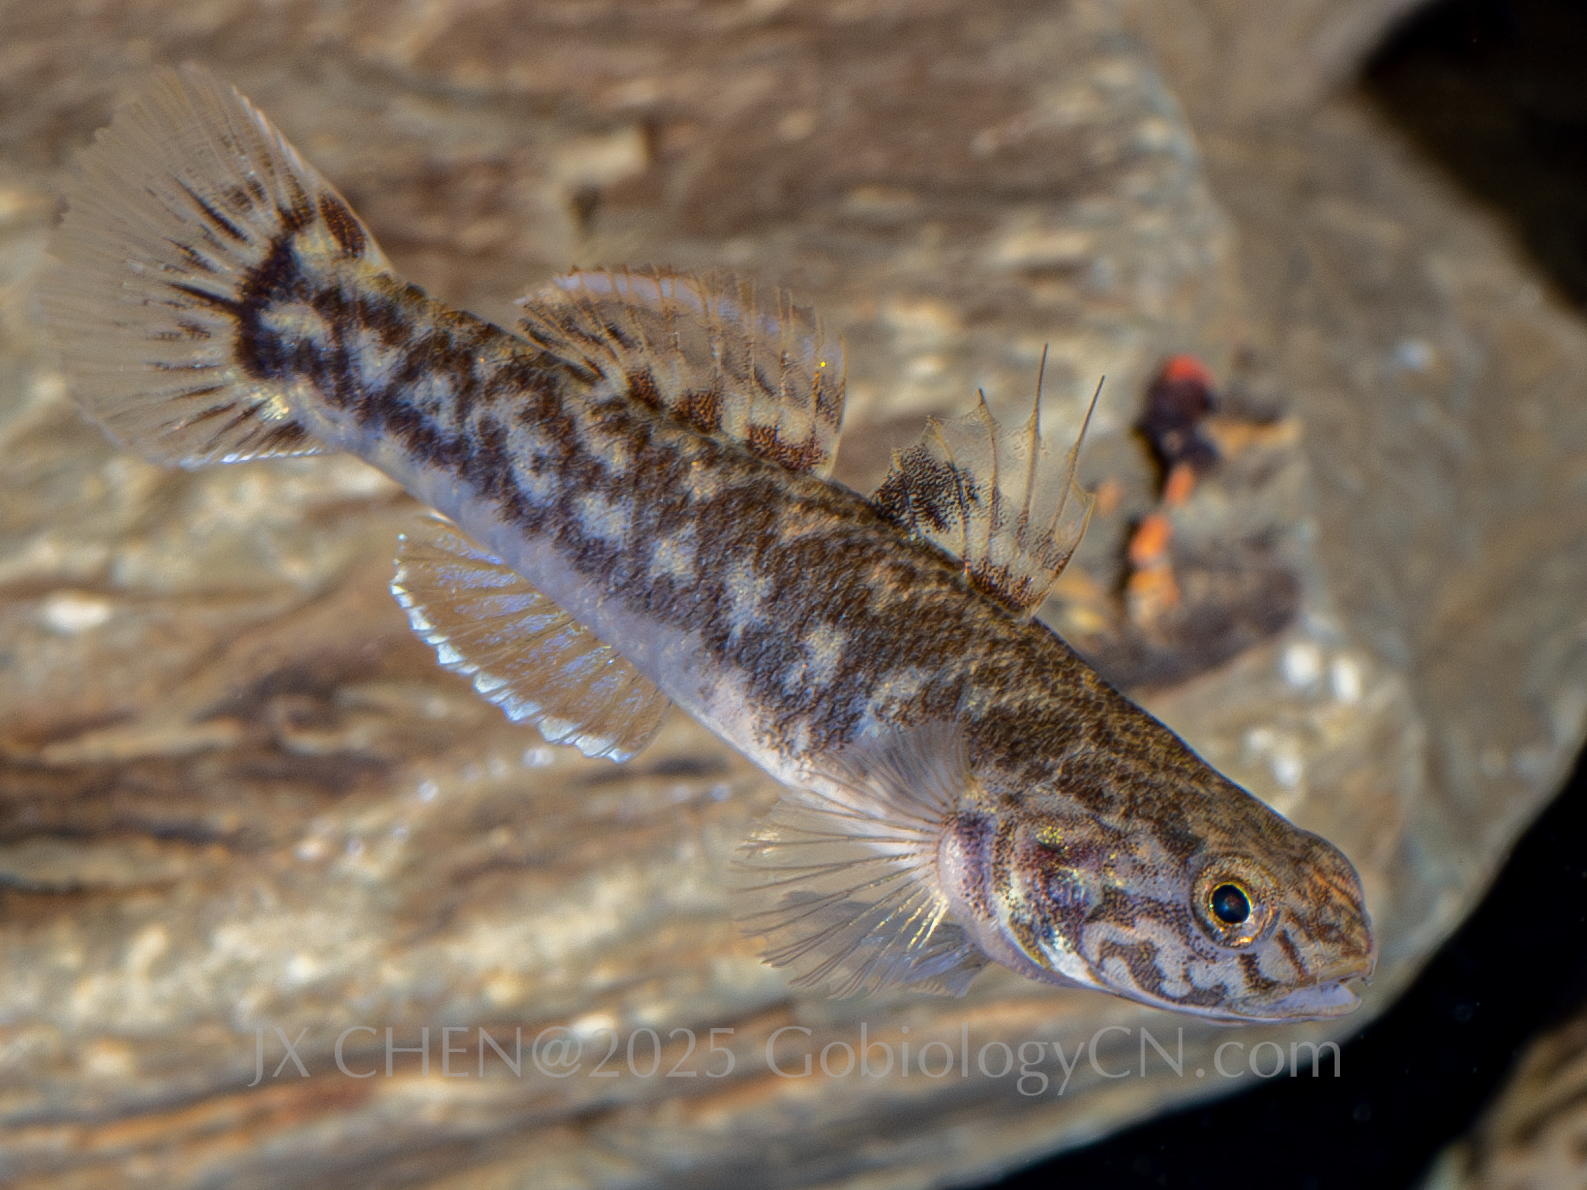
(843,881)
(524,653)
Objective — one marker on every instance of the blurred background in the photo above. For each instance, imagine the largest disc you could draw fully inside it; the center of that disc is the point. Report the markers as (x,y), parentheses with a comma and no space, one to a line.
(254,844)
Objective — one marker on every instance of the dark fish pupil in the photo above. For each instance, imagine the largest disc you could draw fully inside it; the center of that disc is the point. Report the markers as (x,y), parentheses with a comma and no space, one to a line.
(1230,904)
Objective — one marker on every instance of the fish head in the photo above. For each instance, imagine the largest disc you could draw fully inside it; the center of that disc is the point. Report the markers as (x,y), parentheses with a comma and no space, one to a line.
(1235,915)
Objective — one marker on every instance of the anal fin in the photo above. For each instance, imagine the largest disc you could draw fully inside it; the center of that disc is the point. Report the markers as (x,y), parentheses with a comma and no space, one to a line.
(980,492)
(706,350)
(523,652)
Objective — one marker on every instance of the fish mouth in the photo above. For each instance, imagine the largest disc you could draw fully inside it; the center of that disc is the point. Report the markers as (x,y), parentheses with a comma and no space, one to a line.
(1319,1001)
(1315,1002)
(1333,993)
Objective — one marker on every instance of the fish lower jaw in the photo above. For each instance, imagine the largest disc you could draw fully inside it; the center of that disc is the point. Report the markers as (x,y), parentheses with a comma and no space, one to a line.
(1319,1001)
(1332,992)
(1315,1002)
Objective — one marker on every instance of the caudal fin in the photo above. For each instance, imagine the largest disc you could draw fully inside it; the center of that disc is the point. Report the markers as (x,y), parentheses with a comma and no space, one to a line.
(178,216)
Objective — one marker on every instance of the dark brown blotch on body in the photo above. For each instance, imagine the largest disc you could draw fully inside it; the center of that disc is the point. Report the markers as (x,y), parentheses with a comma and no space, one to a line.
(1292,953)
(1255,981)
(830,558)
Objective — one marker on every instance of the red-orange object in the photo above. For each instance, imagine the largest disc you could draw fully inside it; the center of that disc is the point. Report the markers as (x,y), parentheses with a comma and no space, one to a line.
(1150,541)
(1181,368)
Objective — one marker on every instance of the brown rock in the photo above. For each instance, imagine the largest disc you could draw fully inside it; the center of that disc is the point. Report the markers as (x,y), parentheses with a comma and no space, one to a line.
(1233,68)
(1534,1137)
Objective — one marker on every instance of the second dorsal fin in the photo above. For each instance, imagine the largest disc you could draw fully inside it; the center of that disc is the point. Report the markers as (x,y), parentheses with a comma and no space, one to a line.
(705,349)
(524,653)
(982,493)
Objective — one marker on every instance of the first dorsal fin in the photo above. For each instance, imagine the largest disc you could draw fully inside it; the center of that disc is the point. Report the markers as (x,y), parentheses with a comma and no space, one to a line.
(979,491)
(843,884)
(525,654)
(706,350)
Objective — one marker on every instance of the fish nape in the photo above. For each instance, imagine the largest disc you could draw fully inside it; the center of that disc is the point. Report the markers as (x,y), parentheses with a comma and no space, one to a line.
(635,510)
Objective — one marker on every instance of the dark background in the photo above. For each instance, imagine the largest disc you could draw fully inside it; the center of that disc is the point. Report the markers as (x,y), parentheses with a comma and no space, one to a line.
(1495,91)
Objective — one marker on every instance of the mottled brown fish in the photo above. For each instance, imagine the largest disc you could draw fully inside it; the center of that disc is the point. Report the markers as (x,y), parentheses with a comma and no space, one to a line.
(639,512)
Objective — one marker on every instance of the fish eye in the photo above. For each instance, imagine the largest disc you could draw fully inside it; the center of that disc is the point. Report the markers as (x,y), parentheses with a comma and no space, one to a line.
(1233,902)
(1229,904)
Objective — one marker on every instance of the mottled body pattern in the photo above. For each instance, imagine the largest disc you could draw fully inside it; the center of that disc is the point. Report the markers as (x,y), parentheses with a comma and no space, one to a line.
(1073,836)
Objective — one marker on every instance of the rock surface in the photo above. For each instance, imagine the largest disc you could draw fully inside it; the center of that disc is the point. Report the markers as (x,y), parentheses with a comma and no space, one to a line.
(1230,68)
(246,823)
(1534,1137)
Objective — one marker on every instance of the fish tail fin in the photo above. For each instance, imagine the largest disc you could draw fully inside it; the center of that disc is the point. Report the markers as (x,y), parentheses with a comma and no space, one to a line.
(185,216)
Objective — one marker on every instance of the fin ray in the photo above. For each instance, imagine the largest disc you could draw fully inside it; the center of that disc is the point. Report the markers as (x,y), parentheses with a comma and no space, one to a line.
(843,886)
(523,652)
(707,351)
(981,493)
(171,211)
